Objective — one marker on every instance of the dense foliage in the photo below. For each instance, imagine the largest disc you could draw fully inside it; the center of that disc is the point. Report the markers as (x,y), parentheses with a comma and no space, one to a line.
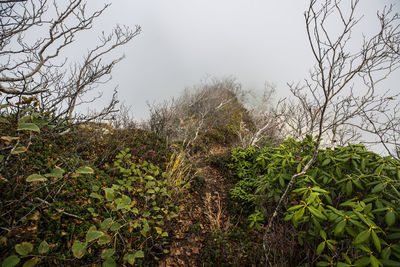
(345,208)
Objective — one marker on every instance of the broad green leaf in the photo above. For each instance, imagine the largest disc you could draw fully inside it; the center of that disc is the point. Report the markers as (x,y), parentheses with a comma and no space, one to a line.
(43,247)
(95,195)
(390,218)
(109,262)
(326,162)
(138,254)
(109,194)
(31,262)
(24,248)
(389,263)
(323,264)
(316,213)
(322,233)
(293,208)
(349,188)
(115,226)
(374,261)
(378,188)
(79,249)
(321,247)
(57,172)
(376,240)
(93,235)
(362,237)
(364,261)
(107,253)
(36,178)
(11,261)
(130,258)
(312,197)
(28,127)
(298,215)
(339,227)
(386,253)
(84,170)
(104,239)
(106,224)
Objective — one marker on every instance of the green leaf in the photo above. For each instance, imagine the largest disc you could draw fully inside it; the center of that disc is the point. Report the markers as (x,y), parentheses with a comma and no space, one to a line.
(316,213)
(106,223)
(386,253)
(93,235)
(31,262)
(79,249)
(28,127)
(339,228)
(57,172)
(298,215)
(364,261)
(109,262)
(109,194)
(390,218)
(321,247)
(43,247)
(36,178)
(84,170)
(130,258)
(115,226)
(323,264)
(3,120)
(107,253)
(95,195)
(104,239)
(139,254)
(374,261)
(24,248)
(349,188)
(362,237)
(322,234)
(10,261)
(312,197)
(378,188)
(326,162)
(389,263)
(376,240)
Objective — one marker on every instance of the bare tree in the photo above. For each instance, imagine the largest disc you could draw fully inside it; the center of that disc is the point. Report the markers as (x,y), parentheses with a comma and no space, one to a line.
(263,123)
(328,98)
(195,112)
(33,36)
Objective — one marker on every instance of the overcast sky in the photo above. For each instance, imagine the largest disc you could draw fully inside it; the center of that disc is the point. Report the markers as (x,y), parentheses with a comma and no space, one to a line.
(185,41)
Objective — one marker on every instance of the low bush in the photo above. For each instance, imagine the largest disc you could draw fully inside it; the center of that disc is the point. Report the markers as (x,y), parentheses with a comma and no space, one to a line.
(345,208)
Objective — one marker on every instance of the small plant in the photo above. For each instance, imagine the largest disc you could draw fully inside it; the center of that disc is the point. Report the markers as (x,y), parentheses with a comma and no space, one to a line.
(179,171)
(139,206)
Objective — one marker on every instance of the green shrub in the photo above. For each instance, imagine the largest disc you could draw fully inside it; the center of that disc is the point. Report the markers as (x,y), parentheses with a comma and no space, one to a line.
(346,207)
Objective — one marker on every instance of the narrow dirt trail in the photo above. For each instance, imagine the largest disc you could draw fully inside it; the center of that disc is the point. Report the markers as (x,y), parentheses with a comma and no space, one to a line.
(204,212)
